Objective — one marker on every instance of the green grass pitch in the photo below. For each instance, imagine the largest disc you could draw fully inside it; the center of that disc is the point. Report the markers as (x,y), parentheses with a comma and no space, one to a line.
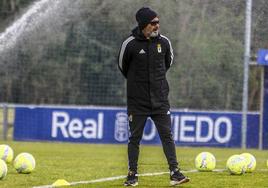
(84,162)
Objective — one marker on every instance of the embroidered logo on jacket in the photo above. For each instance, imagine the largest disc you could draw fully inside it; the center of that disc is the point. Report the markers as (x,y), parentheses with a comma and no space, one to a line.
(142,51)
(159,48)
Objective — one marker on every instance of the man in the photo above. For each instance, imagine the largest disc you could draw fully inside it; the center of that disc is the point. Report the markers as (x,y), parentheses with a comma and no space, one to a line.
(144,58)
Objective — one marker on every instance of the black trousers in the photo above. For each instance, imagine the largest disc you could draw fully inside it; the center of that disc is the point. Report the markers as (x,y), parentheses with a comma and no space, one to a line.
(163,125)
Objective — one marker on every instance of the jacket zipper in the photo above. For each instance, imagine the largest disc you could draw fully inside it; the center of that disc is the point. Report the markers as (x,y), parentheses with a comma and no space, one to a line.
(148,66)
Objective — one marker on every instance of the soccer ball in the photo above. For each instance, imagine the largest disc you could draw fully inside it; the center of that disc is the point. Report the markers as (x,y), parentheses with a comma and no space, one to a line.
(3,169)
(250,162)
(24,163)
(6,153)
(205,161)
(236,164)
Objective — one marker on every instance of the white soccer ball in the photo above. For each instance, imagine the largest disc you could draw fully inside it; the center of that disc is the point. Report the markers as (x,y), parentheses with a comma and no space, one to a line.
(250,162)
(3,169)
(24,163)
(236,164)
(6,153)
(205,161)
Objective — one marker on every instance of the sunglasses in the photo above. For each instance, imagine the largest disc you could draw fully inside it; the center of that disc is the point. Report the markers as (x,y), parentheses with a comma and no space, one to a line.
(153,23)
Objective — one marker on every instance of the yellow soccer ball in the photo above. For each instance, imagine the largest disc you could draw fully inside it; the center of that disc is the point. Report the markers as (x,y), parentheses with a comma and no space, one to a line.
(205,161)
(6,153)
(250,162)
(3,169)
(236,164)
(24,163)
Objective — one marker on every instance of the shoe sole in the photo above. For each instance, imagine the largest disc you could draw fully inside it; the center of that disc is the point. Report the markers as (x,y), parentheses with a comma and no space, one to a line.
(133,185)
(185,180)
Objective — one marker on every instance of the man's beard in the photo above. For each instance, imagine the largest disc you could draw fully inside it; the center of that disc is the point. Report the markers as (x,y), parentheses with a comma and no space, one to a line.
(154,33)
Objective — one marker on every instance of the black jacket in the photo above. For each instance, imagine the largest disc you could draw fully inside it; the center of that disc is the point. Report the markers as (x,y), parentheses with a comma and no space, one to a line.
(144,63)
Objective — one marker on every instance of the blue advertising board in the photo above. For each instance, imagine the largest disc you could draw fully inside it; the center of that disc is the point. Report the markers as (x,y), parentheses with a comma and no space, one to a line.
(262,57)
(110,125)
(265,109)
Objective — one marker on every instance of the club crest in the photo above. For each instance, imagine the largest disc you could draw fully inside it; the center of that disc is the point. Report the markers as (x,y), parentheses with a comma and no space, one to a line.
(159,49)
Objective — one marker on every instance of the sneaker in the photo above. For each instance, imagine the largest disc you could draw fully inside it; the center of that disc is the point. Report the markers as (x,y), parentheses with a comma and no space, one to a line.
(132,179)
(177,178)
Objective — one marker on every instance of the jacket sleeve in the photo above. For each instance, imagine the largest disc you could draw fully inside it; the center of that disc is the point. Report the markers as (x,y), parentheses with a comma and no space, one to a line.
(169,55)
(124,56)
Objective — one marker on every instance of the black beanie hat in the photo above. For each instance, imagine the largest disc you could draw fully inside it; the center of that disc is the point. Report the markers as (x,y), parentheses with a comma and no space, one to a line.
(144,16)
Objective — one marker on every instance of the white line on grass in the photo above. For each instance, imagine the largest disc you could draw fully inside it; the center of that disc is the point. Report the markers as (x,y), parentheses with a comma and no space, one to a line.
(122,177)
